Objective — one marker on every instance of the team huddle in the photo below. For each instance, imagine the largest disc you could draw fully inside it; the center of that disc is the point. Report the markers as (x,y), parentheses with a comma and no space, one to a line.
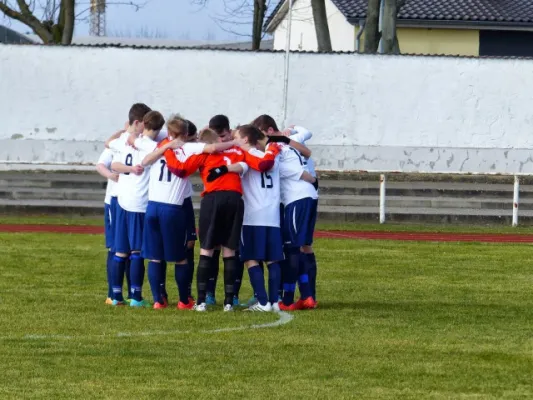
(258,208)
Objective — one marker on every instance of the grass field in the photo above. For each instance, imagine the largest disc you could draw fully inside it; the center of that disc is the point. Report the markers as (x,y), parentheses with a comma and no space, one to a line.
(397,320)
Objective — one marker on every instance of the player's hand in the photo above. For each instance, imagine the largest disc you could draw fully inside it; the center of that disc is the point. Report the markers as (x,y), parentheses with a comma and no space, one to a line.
(114,177)
(287,132)
(137,170)
(315,184)
(279,139)
(215,173)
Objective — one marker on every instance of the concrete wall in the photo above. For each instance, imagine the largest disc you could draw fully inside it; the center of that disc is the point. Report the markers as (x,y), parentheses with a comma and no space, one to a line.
(303,34)
(439,41)
(377,113)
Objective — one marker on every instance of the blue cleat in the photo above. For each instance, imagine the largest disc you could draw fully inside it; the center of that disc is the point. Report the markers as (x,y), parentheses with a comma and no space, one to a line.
(236,301)
(210,299)
(140,304)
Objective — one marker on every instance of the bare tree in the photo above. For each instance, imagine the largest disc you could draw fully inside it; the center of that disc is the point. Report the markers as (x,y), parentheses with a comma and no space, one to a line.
(52,20)
(388,34)
(238,13)
(321,25)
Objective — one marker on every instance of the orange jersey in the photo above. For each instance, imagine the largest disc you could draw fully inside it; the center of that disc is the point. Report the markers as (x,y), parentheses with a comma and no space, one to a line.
(265,163)
(205,162)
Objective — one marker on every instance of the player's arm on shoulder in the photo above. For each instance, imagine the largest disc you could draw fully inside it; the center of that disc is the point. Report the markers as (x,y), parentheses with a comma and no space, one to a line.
(300,134)
(218,147)
(260,161)
(185,168)
(113,137)
(302,148)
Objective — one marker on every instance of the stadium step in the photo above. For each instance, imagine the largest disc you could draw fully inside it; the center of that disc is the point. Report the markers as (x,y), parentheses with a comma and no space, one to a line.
(343,197)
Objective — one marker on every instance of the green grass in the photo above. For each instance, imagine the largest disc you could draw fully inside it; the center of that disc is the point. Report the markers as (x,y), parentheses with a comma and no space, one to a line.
(396,321)
(373,227)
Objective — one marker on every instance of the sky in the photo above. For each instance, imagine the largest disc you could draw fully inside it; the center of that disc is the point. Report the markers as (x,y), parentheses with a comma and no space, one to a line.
(169,19)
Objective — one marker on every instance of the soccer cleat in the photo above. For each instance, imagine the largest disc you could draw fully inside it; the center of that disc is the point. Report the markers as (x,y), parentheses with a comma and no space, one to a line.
(109,301)
(117,303)
(139,304)
(200,307)
(307,304)
(228,308)
(258,307)
(182,306)
(275,307)
(250,302)
(210,299)
(165,301)
(159,306)
(236,301)
(191,300)
(283,307)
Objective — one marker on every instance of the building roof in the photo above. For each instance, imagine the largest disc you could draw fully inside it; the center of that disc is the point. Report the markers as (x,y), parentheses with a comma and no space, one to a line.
(510,13)
(9,36)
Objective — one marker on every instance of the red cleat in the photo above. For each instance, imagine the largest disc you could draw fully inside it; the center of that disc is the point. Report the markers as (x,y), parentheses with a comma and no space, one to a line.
(307,304)
(159,306)
(182,306)
(191,300)
(283,307)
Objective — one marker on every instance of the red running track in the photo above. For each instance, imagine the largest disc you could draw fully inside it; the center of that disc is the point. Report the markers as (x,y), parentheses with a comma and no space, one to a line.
(406,236)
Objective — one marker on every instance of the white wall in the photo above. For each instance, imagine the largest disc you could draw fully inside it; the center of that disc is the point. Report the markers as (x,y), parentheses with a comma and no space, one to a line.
(402,113)
(303,35)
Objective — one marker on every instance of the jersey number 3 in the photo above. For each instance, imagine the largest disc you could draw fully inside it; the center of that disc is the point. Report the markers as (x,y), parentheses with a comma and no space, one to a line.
(266,181)
(162,174)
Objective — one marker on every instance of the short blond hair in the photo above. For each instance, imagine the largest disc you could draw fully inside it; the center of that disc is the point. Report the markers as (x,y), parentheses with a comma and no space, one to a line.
(177,127)
(208,136)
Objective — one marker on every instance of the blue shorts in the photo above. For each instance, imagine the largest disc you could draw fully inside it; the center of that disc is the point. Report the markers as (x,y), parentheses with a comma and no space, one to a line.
(165,232)
(110,214)
(261,243)
(299,222)
(128,230)
(191,220)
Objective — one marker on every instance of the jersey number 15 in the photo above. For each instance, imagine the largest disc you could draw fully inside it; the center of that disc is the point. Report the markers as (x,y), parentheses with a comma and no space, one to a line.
(266,181)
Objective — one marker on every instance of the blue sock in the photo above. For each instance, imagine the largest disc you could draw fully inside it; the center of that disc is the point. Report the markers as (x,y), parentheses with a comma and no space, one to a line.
(311,268)
(258,284)
(303,278)
(190,263)
(181,274)
(163,285)
(155,275)
(291,275)
(136,276)
(117,272)
(109,269)
(128,276)
(274,279)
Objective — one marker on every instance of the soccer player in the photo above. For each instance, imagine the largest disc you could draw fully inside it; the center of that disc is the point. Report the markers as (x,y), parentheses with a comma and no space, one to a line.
(221,211)
(261,238)
(298,198)
(220,124)
(165,222)
(132,202)
(103,167)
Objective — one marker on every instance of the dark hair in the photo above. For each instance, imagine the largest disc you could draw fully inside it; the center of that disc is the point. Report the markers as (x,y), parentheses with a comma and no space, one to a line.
(153,120)
(253,134)
(263,122)
(191,128)
(219,123)
(137,112)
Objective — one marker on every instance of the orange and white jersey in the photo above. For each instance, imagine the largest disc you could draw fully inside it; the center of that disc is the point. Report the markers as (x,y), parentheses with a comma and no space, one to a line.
(292,167)
(132,190)
(261,194)
(165,187)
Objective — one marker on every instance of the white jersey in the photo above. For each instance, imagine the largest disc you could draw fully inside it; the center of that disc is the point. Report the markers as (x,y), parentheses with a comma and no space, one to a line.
(165,187)
(106,158)
(301,135)
(261,194)
(133,189)
(189,149)
(291,168)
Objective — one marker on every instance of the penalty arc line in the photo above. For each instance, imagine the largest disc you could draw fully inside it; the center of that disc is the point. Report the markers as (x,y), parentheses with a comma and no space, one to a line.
(284,318)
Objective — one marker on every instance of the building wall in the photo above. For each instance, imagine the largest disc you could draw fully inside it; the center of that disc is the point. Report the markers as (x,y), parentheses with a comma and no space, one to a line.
(394,113)
(463,42)
(303,34)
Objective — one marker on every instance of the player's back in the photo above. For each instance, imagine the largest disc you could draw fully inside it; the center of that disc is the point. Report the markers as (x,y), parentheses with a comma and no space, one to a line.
(227,182)
(132,189)
(291,168)
(261,195)
(164,186)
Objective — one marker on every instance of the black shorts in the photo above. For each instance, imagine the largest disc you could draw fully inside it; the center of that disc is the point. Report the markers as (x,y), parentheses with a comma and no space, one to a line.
(221,215)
